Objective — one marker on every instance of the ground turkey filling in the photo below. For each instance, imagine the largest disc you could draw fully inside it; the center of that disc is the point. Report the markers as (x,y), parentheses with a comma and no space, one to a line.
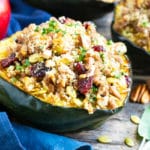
(67,63)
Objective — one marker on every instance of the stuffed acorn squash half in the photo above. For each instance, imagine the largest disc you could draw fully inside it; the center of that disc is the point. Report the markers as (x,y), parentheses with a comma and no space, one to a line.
(62,75)
(131,25)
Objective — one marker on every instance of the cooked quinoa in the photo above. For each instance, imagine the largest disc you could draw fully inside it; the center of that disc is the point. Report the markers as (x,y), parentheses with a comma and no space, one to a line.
(67,63)
(132,20)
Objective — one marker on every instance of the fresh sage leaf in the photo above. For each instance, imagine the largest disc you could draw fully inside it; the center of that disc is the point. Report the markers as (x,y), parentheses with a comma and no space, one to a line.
(144,126)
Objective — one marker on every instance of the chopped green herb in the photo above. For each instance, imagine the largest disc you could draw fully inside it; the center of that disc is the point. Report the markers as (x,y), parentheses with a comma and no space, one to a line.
(52,28)
(27,63)
(63,32)
(82,54)
(145,24)
(36,29)
(19,67)
(95,41)
(109,42)
(94,89)
(118,75)
(93,94)
(13,79)
(52,23)
(58,30)
(44,31)
(73,24)
(47,30)
(102,56)
(92,98)
(70,24)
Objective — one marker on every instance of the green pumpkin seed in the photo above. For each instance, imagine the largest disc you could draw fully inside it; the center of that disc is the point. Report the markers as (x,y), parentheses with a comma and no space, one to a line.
(135,119)
(104,139)
(129,142)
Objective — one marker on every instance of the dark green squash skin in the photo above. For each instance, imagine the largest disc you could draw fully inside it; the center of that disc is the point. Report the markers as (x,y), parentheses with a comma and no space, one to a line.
(139,57)
(48,117)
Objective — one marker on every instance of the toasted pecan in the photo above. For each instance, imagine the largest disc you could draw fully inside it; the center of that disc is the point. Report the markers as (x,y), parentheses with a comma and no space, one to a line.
(145,97)
(140,94)
(135,93)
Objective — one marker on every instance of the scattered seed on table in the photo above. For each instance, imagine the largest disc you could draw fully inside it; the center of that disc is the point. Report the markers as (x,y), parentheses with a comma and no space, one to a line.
(135,119)
(104,139)
(129,142)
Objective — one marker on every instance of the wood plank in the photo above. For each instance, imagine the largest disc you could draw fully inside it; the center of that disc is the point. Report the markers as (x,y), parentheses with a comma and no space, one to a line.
(117,127)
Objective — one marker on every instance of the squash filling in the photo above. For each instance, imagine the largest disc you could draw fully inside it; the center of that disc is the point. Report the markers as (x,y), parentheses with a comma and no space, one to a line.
(67,63)
(132,20)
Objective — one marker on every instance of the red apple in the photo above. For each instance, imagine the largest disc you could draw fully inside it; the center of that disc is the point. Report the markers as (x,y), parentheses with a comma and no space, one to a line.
(5,12)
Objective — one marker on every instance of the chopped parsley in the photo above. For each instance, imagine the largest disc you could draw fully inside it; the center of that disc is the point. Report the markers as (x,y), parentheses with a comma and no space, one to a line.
(13,79)
(95,41)
(47,30)
(73,24)
(118,75)
(145,24)
(94,89)
(52,23)
(92,97)
(19,67)
(52,28)
(82,54)
(102,56)
(26,63)
(37,29)
(109,42)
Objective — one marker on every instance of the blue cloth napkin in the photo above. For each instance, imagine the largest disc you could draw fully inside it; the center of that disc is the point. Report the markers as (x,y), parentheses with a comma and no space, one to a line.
(15,136)
(23,15)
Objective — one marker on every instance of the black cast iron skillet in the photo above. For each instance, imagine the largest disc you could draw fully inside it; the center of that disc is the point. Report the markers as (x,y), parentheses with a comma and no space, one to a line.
(76,9)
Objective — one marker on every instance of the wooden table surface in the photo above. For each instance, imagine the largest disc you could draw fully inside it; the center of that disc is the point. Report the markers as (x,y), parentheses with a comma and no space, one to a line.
(118,126)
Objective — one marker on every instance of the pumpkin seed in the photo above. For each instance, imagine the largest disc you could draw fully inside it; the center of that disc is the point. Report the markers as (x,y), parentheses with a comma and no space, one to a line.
(129,142)
(104,139)
(135,119)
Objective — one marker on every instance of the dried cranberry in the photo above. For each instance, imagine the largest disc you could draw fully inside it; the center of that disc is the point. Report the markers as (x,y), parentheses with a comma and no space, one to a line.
(8,61)
(98,48)
(79,68)
(128,81)
(85,84)
(86,25)
(38,70)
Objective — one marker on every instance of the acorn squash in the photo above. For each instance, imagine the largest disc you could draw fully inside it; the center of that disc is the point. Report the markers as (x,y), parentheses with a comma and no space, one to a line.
(131,25)
(59,80)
